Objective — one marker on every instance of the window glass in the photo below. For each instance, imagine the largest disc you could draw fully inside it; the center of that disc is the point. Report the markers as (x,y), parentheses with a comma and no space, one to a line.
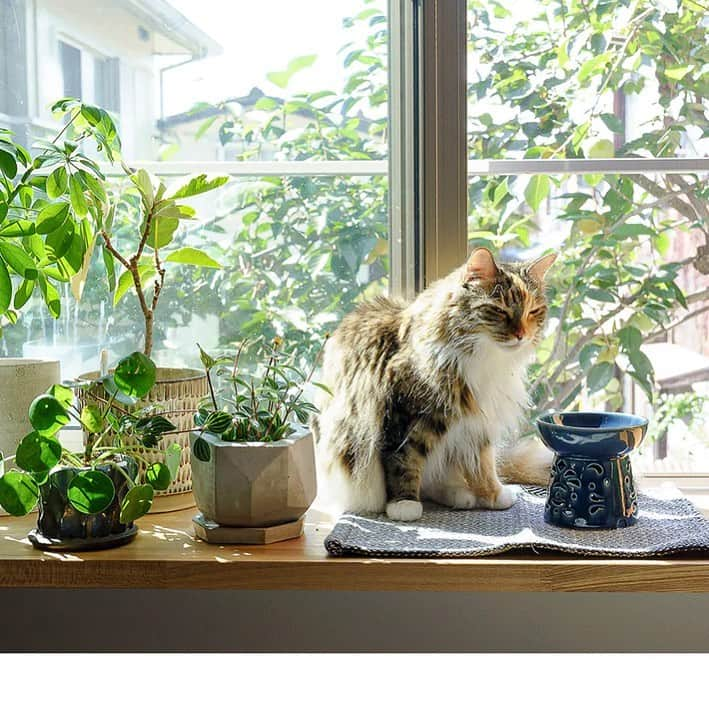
(579,80)
(207,81)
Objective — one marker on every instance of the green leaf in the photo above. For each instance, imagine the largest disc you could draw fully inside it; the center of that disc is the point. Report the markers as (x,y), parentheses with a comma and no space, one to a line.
(143,181)
(60,241)
(136,503)
(110,266)
(92,418)
(592,66)
(601,295)
(201,450)
(677,72)
(158,475)
(5,288)
(51,296)
(601,149)
(125,281)
(281,78)
(630,338)
(63,394)
(193,257)
(599,375)
(218,422)
(642,371)
(38,453)
(91,492)
(135,375)
(612,122)
(52,217)
(8,165)
(162,231)
(198,184)
(536,191)
(18,493)
(633,230)
(18,260)
(57,183)
(47,414)
(77,198)
(173,457)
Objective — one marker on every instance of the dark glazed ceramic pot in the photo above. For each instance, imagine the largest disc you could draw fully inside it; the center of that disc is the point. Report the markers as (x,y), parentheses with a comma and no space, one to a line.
(60,527)
(592,482)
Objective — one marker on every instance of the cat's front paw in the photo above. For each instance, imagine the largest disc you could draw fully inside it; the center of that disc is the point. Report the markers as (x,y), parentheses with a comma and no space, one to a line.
(404,510)
(506,497)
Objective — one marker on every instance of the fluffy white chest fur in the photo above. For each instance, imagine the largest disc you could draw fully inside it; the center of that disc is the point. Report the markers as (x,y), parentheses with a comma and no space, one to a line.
(496,377)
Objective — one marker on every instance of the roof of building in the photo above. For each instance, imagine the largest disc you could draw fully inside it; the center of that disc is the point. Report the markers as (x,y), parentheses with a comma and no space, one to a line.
(163,18)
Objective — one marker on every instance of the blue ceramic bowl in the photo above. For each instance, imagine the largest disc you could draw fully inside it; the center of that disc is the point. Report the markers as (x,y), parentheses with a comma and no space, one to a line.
(592,483)
(591,434)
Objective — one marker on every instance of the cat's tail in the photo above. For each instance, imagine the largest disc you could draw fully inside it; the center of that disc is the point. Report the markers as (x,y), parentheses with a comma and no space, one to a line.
(527,462)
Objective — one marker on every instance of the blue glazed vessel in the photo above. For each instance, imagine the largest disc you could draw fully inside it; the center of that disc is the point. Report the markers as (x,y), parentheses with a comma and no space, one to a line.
(592,483)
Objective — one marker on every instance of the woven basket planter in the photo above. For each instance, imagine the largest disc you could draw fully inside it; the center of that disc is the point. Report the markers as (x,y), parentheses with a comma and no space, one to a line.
(178,392)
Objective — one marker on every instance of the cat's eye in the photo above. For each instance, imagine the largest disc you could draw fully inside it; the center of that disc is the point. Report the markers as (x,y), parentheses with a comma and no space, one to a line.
(536,311)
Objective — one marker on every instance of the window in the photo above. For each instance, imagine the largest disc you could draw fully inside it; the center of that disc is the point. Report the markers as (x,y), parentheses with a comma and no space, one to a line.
(371,149)
(301,128)
(70,59)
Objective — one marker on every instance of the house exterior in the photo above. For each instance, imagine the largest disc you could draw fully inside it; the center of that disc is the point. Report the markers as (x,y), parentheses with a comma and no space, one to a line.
(111,52)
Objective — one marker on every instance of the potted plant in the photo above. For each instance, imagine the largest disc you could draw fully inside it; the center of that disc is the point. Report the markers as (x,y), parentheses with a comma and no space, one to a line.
(137,261)
(90,499)
(253,456)
(46,236)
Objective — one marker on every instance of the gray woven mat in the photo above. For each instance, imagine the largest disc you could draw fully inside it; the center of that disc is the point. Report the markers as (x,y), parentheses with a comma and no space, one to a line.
(668,523)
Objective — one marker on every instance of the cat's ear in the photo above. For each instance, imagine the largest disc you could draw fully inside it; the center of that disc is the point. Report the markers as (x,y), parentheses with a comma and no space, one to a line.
(538,269)
(480,266)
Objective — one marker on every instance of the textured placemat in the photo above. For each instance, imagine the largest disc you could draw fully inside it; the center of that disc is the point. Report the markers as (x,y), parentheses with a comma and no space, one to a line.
(668,523)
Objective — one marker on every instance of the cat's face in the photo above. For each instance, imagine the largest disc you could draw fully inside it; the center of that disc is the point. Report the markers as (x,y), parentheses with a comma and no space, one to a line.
(507,301)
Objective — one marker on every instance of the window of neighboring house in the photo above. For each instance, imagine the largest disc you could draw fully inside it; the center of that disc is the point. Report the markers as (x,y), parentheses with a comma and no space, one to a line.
(70,60)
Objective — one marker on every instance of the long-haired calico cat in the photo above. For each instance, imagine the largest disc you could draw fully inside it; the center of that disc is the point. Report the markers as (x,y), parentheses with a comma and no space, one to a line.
(423,392)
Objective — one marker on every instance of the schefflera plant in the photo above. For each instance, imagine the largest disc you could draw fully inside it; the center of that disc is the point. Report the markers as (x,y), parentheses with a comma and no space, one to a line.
(91,491)
(262,406)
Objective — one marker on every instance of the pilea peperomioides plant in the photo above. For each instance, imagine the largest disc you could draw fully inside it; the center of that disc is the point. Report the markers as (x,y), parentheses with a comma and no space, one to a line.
(91,497)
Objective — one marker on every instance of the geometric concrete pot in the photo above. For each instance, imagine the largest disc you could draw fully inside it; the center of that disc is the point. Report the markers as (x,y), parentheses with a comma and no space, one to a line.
(255,484)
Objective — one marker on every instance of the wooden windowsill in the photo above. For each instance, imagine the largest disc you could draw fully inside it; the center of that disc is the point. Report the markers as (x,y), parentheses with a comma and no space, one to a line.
(166,555)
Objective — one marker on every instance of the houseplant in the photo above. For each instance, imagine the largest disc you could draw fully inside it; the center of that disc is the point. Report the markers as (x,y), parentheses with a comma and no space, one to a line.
(46,233)
(136,254)
(253,457)
(90,499)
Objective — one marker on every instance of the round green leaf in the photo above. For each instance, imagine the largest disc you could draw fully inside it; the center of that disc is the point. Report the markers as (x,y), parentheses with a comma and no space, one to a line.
(63,394)
(18,493)
(47,414)
(92,418)
(135,375)
(158,475)
(136,503)
(52,217)
(38,453)
(91,492)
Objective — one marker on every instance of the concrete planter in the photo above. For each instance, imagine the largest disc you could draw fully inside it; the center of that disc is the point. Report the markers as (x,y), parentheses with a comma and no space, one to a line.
(255,484)
(21,380)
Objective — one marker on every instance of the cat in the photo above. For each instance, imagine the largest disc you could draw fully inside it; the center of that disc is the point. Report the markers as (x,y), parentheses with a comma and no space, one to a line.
(423,392)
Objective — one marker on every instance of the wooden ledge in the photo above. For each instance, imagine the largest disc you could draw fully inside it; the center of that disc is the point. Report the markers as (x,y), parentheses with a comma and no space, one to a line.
(166,555)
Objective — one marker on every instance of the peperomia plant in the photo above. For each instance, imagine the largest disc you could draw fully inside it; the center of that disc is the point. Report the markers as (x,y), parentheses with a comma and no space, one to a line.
(262,406)
(48,205)
(86,479)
